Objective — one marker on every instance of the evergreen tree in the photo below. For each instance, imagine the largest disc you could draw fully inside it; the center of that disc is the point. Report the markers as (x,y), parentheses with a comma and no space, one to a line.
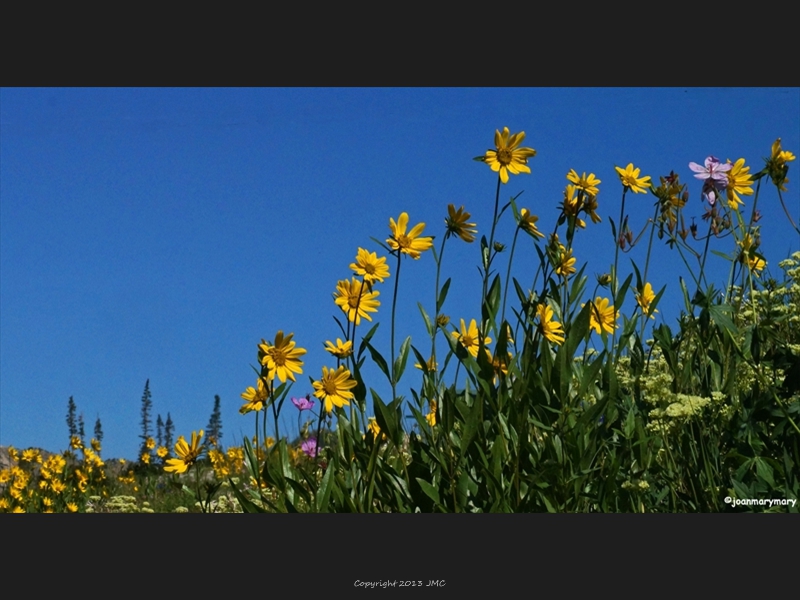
(147,405)
(98,430)
(81,431)
(214,427)
(71,422)
(169,430)
(159,431)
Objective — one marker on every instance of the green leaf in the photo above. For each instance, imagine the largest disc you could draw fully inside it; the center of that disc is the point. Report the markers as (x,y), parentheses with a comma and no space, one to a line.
(400,361)
(387,419)
(430,491)
(324,491)
(425,318)
(380,361)
(442,295)
(365,340)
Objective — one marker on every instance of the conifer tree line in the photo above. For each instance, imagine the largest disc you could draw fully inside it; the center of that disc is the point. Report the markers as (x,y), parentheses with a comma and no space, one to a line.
(164,430)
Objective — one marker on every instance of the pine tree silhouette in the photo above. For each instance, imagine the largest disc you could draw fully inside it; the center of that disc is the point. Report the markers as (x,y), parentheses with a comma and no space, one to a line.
(214,427)
(71,422)
(147,405)
(159,431)
(98,430)
(169,430)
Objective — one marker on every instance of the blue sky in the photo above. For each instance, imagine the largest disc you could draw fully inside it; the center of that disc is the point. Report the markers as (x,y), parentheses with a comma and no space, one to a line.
(162,233)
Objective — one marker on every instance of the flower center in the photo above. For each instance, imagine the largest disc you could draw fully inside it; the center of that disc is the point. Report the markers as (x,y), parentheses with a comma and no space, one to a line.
(278,357)
(504,156)
(329,386)
(403,241)
(467,341)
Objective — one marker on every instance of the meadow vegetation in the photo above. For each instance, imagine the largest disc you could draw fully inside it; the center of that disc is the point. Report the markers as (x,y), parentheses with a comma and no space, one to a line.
(552,397)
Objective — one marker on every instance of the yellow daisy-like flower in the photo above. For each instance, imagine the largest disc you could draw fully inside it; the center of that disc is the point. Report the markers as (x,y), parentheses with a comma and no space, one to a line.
(255,398)
(645,299)
(187,454)
(630,179)
(408,243)
(779,155)
(601,317)
(96,445)
(590,207)
(586,183)
(429,366)
(282,358)
(508,156)
(431,416)
(739,182)
(550,329)
(374,429)
(572,206)
(150,443)
(75,442)
(340,349)
(334,387)
(162,452)
(370,267)
(756,264)
(145,458)
(72,507)
(356,300)
(566,262)
(31,455)
(527,222)
(456,222)
(469,337)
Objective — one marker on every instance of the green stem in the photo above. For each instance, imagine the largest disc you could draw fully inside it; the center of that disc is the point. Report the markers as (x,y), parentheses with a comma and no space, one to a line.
(508,276)
(394,307)
(616,262)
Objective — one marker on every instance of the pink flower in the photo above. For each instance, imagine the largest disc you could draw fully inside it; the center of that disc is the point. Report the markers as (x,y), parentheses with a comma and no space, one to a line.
(713,169)
(309,447)
(715,176)
(303,403)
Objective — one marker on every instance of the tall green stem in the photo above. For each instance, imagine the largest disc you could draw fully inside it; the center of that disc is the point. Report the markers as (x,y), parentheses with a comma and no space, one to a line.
(394,307)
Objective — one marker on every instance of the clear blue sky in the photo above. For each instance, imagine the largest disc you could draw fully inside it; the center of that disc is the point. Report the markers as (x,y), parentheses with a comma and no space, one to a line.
(162,233)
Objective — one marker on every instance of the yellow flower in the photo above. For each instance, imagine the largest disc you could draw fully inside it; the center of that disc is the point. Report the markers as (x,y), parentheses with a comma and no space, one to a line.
(571,205)
(340,350)
(75,442)
(587,184)
(550,329)
(187,455)
(145,458)
(508,156)
(739,182)
(566,262)
(601,317)
(355,300)
(430,365)
(590,207)
(469,337)
(374,429)
(282,359)
(645,299)
(408,243)
(96,445)
(457,224)
(150,443)
(31,455)
(369,266)
(256,398)
(334,387)
(431,416)
(756,264)
(527,222)
(630,179)
(780,155)
(72,507)
(162,452)
(777,167)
